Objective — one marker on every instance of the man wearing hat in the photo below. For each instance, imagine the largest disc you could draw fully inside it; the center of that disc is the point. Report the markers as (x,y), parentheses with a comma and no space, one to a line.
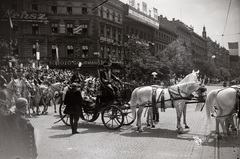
(73,101)
(21,131)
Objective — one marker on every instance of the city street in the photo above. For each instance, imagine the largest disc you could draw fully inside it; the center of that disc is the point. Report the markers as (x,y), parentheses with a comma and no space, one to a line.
(95,141)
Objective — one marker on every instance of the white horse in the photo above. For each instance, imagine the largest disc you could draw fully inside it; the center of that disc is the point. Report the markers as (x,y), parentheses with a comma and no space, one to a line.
(192,77)
(49,95)
(12,94)
(224,105)
(174,96)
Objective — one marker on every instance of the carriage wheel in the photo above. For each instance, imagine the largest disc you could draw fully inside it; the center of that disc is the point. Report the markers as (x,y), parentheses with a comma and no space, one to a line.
(89,116)
(112,117)
(66,119)
(128,116)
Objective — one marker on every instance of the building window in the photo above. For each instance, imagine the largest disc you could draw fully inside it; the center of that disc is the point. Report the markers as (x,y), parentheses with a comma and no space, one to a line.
(102,30)
(54,51)
(119,36)
(102,51)
(84,51)
(85,30)
(54,28)
(108,32)
(35,29)
(34,6)
(69,9)
(108,14)
(101,12)
(113,16)
(114,35)
(108,52)
(70,53)
(14,6)
(34,50)
(119,18)
(70,29)
(119,52)
(84,9)
(54,8)
(15,28)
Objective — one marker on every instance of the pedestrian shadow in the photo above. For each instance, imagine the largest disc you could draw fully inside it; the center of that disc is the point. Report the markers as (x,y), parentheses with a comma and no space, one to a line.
(60,136)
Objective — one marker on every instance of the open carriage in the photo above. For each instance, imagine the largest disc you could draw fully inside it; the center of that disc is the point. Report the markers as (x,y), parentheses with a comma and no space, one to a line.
(114,113)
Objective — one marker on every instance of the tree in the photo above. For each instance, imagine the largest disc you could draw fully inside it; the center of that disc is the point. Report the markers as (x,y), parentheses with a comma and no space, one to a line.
(143,63)
(177,58)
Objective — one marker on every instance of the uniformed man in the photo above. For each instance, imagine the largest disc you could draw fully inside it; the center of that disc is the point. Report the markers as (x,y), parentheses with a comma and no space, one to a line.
(19,134)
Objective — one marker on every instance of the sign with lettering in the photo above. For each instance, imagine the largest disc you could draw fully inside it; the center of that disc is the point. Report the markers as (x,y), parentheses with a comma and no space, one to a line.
(25,16)
(70,63)
(143,18)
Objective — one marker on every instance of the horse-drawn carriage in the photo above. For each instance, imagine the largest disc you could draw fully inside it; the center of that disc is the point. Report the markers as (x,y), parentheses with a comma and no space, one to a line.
(114,113)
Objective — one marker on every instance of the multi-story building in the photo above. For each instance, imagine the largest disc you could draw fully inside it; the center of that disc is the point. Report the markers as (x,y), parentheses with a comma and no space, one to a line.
(140,26)
(65,33)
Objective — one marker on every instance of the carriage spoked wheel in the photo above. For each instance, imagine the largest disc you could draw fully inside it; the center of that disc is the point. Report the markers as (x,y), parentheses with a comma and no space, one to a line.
(65,118)
(127,113)
(89,115)
(112,117)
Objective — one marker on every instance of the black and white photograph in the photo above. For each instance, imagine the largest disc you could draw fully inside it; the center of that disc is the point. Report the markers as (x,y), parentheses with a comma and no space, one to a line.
(119,79)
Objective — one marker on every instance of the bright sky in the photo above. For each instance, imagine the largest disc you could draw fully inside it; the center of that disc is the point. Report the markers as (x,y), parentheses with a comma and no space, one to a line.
(209,13)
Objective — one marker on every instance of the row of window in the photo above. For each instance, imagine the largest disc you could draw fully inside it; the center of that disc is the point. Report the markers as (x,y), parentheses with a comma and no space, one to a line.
(164,37)
(83,52)
(69,10)
(139,34)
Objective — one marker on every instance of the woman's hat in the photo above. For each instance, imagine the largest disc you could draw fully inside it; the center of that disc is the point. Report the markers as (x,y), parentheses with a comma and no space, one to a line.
(21,104)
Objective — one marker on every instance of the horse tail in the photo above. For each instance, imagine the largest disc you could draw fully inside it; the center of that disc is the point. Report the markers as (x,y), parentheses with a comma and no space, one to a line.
(210,102)
(133,103)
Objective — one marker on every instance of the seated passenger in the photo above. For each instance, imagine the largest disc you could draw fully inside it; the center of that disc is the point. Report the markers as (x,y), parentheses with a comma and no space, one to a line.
(107,79)
(88,93)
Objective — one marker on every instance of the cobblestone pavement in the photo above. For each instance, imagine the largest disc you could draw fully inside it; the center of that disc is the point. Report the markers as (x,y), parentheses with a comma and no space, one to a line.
(97,142)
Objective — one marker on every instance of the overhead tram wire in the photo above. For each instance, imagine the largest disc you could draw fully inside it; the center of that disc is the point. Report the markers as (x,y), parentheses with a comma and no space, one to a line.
(226,19)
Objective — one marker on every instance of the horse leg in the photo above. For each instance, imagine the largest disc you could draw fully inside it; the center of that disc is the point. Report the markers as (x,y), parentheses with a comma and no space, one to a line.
(139,115)
(55,107)
(148,116)
(179,110)
(225,132)
(184,116)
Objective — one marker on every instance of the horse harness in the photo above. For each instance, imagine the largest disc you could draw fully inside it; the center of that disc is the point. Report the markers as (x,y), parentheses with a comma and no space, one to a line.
(174,95)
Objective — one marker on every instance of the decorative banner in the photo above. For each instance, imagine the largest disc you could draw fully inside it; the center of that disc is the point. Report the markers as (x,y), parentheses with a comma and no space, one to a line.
(10,20)
(233,51)
(33,65)
(37,51)
(57,57)
(155,13)
(77,29)
(144,7)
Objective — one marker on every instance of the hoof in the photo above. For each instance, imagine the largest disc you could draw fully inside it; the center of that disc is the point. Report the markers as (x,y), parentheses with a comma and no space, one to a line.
(140,129)
(148,125)
(153,126)
(55,111)
(187,127)
(180,131)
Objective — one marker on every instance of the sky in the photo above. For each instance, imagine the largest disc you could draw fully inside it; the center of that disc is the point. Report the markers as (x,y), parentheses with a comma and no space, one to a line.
(213,14)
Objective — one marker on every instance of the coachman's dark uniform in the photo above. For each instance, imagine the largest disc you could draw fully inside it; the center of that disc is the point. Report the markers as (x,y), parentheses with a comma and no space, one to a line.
(17,138)
(74,102)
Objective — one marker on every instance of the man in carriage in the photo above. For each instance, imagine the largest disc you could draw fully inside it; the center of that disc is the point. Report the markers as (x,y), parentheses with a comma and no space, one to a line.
(107,78)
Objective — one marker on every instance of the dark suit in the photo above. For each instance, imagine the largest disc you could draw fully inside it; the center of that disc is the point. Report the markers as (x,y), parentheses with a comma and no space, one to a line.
(73,101)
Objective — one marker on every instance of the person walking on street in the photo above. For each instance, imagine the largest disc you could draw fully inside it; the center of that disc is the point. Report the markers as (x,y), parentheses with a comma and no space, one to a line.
(73,101)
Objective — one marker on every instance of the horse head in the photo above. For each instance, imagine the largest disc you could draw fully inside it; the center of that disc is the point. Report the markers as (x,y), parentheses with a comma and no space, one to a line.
(192,77)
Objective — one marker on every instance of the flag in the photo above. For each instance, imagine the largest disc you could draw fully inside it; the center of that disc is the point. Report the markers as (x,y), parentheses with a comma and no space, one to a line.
(233,51)
(37,52)
(132,3)
(10,20)
(77,29)
(155,13)
(57,57)
(144,7)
